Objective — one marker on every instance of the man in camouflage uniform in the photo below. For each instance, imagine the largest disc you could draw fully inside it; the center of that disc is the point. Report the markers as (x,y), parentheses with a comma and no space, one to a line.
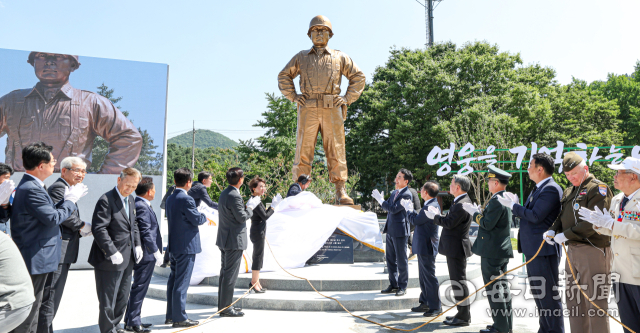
(589,252)
(320,106)
(66,118)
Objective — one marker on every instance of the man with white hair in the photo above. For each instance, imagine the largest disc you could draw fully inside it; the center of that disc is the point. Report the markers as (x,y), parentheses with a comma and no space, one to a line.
(587,251)
(625,243)
(72,172)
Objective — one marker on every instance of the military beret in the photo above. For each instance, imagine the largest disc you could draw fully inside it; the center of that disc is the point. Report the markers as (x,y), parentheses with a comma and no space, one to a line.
(495,172)
(32,56)
(570,161)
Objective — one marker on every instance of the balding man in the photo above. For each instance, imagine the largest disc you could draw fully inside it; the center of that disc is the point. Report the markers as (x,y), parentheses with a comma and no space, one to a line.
(625,229)
(116,246)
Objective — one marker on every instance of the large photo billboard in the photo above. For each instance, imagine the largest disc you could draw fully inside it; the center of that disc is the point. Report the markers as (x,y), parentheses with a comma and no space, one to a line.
(108,112)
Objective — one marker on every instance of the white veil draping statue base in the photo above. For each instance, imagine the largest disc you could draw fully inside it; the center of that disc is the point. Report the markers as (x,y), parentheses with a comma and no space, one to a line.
(296,231)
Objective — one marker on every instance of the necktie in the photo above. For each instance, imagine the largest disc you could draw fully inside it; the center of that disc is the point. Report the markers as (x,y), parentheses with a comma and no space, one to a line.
(395,195)
(126,206)
(624,203)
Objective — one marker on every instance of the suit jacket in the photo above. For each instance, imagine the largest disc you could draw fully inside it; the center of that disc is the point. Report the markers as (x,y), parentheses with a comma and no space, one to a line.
(259,222)
(149,231)
(625,239)
(114,230)
(494,231)
(35,225)
(294,190)
(425,236)
(536,216)
(397,224)
(199,193)
(454,239)
(183,218)
(70,227)
(232,231)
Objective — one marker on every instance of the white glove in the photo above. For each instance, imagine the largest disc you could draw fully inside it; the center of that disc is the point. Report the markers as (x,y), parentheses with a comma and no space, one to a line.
(253,202)
(85,231)
(75,192)
(560,238)
(547,236)
(117,259)
(6,189)
(431,212)
(471,208)
(276,201)
(159,258)
(508,199)
(379,196)
(599,218)
(138,254)
(407,204)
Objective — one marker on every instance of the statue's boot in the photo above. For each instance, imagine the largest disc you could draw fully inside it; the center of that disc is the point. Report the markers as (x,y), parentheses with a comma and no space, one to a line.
(341,194)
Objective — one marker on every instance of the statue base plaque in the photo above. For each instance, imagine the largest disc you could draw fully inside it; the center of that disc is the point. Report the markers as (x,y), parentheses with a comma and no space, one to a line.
(338,249)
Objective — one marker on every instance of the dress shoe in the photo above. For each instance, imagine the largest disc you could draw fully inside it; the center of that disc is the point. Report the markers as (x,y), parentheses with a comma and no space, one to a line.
(168,321)
(433,313)
(492,330)
(389,290)
(401,292)
(232,313)
(257,291)
(457,322)
(186,323)
(420,308)
(146,325)
(449,317)
(137,329)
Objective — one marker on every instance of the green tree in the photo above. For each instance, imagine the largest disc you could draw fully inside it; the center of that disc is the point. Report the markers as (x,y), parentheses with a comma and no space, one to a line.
(149,162)
(474,93)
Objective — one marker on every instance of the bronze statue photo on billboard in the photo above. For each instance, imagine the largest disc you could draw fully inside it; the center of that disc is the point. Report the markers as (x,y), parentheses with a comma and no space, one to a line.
(66,118)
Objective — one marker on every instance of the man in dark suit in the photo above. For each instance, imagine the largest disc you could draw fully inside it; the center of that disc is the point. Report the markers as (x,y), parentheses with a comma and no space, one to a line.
(536,216)
(35,222)
(116,246)
(425,246)
(151,248)
(199,192)
(302,184)
(493,245)
(456,246)
(397,230)
(73,170)
(232,237)
(184,243)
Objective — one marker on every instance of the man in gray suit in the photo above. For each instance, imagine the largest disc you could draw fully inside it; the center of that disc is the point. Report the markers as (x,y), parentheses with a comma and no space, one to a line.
(232,237)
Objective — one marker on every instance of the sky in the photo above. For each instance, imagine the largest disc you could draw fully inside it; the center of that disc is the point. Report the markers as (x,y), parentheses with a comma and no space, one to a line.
(224,56)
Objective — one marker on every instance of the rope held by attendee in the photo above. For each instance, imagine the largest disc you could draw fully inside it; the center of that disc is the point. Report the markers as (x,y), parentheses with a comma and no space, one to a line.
(425,323)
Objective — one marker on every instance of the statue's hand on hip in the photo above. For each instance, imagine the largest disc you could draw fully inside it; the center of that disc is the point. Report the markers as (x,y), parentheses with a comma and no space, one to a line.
(300,99)
(339,101)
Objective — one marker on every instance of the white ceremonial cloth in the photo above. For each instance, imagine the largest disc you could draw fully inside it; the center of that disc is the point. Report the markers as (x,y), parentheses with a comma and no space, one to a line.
(296,231)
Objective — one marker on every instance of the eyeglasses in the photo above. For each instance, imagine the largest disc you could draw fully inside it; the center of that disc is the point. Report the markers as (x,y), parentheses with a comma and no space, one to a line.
(78,170)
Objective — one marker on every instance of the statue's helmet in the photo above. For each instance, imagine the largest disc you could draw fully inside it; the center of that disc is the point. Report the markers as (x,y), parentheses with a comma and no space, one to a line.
(32,57)
(320,20)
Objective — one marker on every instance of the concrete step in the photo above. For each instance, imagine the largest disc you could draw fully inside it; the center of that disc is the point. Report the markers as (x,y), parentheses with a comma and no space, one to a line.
(344,278)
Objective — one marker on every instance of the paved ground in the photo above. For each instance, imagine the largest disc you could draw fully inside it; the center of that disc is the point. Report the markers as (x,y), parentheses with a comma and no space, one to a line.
(79,314)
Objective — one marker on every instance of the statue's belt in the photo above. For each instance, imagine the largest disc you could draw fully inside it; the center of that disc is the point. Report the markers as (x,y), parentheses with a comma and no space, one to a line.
(324,101)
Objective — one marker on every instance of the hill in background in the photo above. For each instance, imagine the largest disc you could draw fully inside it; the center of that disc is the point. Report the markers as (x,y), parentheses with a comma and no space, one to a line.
(204,139)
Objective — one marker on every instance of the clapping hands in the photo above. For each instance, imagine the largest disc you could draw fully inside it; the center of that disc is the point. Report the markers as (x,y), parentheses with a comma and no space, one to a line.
(407,204)
(471,208)
(508,199)
(253,202)
(431,212)
(379,196)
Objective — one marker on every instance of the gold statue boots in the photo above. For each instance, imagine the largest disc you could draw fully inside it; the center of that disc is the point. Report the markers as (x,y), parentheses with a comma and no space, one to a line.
(341,194)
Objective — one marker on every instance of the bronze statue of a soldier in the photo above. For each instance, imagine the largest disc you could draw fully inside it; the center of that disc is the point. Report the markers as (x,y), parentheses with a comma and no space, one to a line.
(66,118)
(320,106)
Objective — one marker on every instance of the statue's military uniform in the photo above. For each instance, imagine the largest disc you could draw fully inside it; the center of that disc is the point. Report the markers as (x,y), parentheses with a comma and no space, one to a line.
(321,72)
